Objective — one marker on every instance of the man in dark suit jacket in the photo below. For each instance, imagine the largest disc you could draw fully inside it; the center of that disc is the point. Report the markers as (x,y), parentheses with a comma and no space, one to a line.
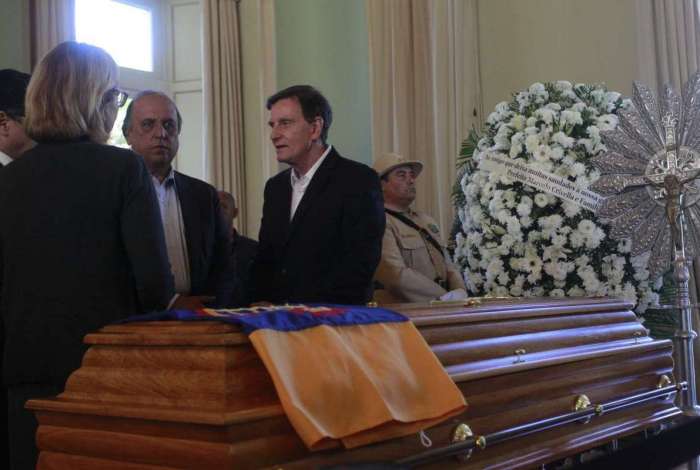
(13,140)
(323,218)
(196,234)
(243,251)
(13,143)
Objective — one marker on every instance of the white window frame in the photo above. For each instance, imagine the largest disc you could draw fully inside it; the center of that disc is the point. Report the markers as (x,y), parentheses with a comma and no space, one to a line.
(133,81)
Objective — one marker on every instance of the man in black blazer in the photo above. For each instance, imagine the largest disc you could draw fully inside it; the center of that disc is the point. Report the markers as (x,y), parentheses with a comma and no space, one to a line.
(323,218)
(196,234)
(243,250)
(13,140)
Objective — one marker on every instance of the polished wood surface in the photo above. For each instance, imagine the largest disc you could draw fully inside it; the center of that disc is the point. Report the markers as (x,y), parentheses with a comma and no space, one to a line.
(195,395)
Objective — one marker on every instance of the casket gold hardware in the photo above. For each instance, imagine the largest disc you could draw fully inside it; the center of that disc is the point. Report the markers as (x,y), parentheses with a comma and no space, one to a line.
(496,297)
(372,304)
(637,335)
(519,355)
(460,434)
(599,410)
(473,302)
(664,381)
(481,442)
(582,402)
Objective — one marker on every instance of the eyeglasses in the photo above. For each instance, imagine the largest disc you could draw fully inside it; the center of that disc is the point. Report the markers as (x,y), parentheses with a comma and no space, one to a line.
(118,96)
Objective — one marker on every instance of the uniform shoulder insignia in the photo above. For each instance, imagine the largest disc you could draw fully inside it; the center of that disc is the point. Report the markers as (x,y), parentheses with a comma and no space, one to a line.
(433,228)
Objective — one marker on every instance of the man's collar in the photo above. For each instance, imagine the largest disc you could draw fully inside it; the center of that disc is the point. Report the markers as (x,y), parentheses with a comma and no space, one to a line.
(406,210)
(166,180)
(310,174)
(4,158)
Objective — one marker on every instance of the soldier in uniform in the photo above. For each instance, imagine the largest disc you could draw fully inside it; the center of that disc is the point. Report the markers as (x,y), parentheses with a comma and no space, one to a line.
(415,266)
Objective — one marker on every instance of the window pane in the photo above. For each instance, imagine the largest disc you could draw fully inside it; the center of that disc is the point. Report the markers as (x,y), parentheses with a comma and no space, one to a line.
(116,137)
(122,30)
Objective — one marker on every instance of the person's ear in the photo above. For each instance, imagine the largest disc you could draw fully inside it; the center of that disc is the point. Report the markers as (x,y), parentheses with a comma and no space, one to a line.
(235,213)
(4,124)
(317,128)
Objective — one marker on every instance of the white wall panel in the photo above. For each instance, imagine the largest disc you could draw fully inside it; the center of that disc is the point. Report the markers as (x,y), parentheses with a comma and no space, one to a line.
(187,41)
(190,159)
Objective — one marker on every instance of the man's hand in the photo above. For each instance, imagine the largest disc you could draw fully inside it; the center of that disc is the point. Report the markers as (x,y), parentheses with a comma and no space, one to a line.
(192,302)
(456,294)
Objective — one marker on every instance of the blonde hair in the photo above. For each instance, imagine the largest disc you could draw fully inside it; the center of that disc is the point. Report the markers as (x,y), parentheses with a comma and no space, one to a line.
(65,97)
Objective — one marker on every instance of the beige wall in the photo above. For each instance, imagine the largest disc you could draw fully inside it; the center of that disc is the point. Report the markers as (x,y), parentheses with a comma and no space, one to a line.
(525,41)
(259,82)
(14,35)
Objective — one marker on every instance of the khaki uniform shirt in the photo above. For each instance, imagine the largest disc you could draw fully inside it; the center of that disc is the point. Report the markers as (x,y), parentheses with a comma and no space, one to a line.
(410,264)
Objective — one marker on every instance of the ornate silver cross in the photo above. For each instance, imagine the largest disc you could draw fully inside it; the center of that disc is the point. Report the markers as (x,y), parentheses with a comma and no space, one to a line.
(651,179)
(651,143)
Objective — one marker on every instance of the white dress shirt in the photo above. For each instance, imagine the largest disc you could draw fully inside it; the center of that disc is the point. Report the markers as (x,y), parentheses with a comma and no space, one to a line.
(300,183)
(4,159)
(174,228)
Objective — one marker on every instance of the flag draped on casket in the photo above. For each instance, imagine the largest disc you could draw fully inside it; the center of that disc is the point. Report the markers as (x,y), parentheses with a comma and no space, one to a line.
(348,373)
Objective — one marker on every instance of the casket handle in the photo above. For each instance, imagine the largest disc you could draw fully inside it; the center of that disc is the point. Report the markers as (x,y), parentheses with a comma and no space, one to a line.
(664,381)
(519,355)
(581,403)
(463,432)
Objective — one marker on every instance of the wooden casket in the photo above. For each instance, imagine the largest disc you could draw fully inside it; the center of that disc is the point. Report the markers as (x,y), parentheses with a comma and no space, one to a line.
(544,379)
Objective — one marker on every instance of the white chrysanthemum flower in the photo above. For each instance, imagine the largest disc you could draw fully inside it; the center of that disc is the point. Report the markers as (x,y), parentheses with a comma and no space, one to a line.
(523,100)
(570,118)
(502,138)
(518,122)
(598,96)
(532,142)
(576,239)
(557,293)
(532,264)
(576,292)
(562,85)
(541,200)
(559,241)
(586,227)
(594,134)
(571,209)
(562,139)
(543,153)
(546,115)
(557,153)
(555,253)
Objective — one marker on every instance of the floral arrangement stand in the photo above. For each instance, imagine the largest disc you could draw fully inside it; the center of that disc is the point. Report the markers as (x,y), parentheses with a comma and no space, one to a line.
(526,219)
